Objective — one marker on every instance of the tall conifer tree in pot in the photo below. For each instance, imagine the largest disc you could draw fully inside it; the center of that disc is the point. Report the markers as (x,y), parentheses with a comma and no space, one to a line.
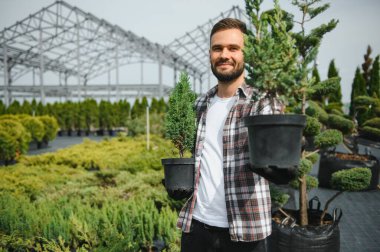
(278,62)
(271,61)
(180,128)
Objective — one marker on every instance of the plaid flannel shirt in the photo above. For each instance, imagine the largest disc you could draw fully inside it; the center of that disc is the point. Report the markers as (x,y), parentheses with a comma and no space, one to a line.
(246,193)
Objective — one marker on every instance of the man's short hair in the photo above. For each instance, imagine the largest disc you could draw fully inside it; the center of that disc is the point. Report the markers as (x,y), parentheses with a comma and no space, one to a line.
(229,23)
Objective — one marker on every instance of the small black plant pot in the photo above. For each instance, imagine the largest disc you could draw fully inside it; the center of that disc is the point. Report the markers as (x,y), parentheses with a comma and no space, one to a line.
(179,177)
(275,143)
(42,144)
(331,163)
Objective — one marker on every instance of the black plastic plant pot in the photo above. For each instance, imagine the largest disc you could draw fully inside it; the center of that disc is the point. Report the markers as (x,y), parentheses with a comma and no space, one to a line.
(293,238)
(275,143)
(179,177)
(331,163)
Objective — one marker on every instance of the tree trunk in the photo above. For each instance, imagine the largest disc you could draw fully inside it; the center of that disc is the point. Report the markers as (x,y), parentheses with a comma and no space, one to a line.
(303,201)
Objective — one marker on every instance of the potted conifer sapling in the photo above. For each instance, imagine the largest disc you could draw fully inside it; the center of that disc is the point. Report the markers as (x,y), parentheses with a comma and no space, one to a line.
(278,63)
(296,230)
(271,62)
(180,129)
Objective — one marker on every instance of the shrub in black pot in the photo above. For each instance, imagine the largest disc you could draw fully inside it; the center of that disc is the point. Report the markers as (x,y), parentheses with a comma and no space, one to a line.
(271,61)
(332,161)
(180,129)
(34,126)
(51,129)
(14,139)
(279,63)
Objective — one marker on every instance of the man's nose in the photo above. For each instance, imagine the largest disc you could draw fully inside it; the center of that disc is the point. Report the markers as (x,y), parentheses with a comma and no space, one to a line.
(224,53)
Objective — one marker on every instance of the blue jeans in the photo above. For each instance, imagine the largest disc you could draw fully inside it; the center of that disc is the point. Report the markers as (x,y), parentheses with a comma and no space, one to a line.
(205,238)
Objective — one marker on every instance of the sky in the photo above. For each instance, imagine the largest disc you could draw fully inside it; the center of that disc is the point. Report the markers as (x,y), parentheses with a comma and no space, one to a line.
(161,21)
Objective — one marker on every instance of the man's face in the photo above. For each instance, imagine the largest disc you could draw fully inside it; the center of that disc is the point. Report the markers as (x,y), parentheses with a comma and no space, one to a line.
(226,54)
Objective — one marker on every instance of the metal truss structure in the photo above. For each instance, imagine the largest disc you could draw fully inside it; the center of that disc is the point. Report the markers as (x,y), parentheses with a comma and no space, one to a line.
(69,42)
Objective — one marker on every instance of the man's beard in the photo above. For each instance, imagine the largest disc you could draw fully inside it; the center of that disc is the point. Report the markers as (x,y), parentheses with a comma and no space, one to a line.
(228,76)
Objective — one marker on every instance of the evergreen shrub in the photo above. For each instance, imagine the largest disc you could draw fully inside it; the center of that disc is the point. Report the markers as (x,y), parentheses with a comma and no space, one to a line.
(48,204)
(314,108)
(328,138)
(313,126)
(180,125)
(8,147)
(35,127)
(16,130)
(346,126)
(354,179)
(50,126)
(373,133)
(374,122)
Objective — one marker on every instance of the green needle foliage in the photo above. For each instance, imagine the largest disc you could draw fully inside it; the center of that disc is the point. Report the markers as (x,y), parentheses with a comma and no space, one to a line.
(94,196)
(50,126)
(354,179)
(374,82)
(180,119)
(358,89)
(334,98)
(35,127)
(280,64)
(269,52)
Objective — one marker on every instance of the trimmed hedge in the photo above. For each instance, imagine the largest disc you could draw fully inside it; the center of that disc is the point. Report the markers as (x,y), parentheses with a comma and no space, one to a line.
(315,109)
(354,179)
(371,132)
(313,126)
(346,126)
(374,122)
(328,138)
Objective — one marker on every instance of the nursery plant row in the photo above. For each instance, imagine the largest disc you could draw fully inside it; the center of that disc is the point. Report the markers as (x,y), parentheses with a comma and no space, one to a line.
(95,196)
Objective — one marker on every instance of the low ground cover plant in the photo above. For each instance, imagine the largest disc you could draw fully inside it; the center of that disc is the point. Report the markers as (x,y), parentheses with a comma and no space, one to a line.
(95,196)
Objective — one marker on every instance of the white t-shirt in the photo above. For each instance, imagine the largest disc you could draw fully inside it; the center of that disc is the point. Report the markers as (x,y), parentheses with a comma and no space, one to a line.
(210,207)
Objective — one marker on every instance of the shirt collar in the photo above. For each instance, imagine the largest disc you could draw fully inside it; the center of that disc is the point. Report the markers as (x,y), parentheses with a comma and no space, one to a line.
(244,91)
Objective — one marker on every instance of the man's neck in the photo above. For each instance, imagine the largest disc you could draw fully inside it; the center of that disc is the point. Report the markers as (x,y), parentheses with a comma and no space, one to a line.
(228,89)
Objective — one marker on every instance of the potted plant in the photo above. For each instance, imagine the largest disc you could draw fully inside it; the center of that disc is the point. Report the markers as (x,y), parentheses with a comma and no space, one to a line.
(180,128)
(333,160)
(322,232)
(286,75)
(91,114)
(271,62)
(51,129)
(277,62)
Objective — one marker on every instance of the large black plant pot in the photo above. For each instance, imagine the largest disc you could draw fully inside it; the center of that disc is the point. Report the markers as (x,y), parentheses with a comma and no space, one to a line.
(288,237)
(331,162)
(275,143)
(179,177)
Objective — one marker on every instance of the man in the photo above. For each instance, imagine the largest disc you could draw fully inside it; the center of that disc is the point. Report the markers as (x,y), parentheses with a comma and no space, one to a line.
(230,209)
